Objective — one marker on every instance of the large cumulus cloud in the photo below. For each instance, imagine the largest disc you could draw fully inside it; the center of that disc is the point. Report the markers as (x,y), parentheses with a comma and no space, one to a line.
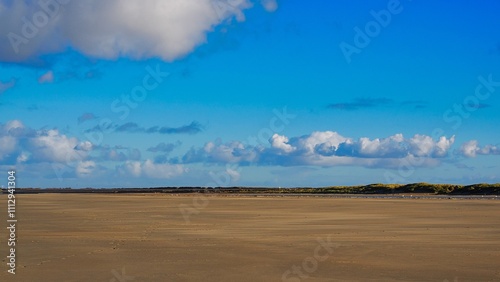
(166,29)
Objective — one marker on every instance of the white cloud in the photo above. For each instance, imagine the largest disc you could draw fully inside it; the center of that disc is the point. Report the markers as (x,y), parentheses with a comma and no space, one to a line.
(27,147)
(132,168)
(280,142)
(421,145)
(85,146)
(151,170)
(229,153)
(471,149)
(328,148)
(327,139)
(8,140)
(166,171)
(443,146)
(47,77)
(23,157)
(270,5)
(13,124)
(85,168)
(52,146)
(381,147)
(234,174)
(7,145)
(23,144)
(110,29)
(489,150)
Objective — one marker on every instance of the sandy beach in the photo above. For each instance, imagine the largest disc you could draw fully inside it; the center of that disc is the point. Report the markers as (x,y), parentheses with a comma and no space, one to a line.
(161,237)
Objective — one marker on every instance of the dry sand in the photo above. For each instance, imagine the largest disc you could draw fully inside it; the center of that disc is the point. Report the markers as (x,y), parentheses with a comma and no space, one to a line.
(91,237)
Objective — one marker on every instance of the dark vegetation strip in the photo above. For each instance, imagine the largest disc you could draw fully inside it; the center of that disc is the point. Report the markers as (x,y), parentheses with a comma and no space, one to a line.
(424,188)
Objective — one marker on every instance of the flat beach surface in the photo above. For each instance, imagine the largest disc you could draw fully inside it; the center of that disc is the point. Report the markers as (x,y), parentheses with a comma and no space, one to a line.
(146,237)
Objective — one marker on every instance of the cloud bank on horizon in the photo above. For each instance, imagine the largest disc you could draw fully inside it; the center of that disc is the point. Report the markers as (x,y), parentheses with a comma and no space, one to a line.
(22,146)
(64,64)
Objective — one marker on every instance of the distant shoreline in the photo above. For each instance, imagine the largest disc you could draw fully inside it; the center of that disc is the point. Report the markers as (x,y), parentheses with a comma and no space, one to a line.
(403,190)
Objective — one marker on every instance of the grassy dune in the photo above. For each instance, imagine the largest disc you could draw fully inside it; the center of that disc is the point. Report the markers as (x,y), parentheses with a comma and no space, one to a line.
(451,189)
(424,188)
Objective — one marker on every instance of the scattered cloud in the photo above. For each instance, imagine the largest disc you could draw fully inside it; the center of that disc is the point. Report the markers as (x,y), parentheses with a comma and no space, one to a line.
(117,154)
(5,85)
(85,146)
(234,174)
(477,106)
(417,104)
(75,66)
(216,152)
(85,168)
(360,103)
(51,146)
(192,128)
(132,127)
(326,148)
(150,169)
(464,166)
(471,149)
(364,103)
(47,77)
(19,143)
(86,117)
(68,157)
(269,5)
(163,147)
(8,140)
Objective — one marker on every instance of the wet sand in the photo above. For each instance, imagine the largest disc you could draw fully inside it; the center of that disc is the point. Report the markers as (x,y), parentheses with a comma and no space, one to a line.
(125,237)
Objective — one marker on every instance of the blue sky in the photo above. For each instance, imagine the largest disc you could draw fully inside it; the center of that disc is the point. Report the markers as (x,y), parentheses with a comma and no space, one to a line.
(258,93)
